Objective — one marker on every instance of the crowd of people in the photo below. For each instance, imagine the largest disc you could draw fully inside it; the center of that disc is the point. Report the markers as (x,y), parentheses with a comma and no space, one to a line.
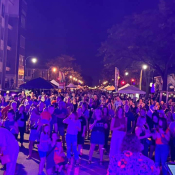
(137,134)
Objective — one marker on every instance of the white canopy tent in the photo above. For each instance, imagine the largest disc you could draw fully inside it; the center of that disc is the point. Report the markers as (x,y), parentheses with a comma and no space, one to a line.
(71,85)
(131,90)
(126,85)
(57,84)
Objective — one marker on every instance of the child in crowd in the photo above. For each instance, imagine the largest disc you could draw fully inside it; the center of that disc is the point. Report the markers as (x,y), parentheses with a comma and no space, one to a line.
(43,146)
(59,156)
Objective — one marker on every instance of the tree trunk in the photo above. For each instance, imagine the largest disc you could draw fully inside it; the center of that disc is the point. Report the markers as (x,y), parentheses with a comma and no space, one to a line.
(165,74)
(164,77)
(148,80)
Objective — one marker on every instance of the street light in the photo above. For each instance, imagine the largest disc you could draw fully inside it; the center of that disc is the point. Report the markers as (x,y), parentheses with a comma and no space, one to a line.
(54,69)
(126,73)
(70,77)
(33,60)
(144,67)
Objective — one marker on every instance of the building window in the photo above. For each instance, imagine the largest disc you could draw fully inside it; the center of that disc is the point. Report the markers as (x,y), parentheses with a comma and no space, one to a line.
(23,21)
(21,60)
(22,42)
(23,12)
(20,77)
(3,11)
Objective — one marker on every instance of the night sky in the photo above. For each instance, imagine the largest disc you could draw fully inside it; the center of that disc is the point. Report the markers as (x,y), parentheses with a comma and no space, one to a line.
(76,28)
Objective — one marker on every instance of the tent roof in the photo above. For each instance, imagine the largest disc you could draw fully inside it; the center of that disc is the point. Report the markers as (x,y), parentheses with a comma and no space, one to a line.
(37,83)
(101,87)
(55,83)
(71,85)
(61,87)
(131,90)
(107,87)
(112,88)
(126,85)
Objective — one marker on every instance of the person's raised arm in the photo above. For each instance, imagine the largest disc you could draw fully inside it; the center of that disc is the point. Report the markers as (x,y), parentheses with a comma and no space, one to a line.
(165,135)
(66,120)
(84,131)
(92,125)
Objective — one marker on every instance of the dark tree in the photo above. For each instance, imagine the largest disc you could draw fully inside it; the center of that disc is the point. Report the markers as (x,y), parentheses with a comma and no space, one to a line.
(144,38)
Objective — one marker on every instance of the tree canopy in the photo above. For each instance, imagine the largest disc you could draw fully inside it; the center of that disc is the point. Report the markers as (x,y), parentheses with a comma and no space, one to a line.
(67,65)
(143,38)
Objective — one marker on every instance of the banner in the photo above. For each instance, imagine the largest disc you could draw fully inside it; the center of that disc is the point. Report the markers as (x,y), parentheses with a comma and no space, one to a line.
(116,78)
(61,77)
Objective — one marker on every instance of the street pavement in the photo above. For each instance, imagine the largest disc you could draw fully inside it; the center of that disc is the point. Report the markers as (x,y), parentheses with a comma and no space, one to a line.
(30,167)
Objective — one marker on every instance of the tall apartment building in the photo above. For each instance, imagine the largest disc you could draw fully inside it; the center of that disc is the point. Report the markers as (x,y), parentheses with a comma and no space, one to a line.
(12,47)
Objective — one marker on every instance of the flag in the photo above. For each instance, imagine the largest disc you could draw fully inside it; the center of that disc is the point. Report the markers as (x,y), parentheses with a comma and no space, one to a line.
(116,78)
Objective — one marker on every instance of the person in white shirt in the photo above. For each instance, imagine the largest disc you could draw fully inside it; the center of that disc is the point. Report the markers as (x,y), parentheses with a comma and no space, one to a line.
(117,103)
(28,101)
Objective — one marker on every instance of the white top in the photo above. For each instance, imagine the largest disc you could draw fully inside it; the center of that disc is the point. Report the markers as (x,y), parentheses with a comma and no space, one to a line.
(73,126)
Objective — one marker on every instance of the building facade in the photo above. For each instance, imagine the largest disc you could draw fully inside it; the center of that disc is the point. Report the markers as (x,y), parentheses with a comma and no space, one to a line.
(12,47)
(21,42)
(32,73)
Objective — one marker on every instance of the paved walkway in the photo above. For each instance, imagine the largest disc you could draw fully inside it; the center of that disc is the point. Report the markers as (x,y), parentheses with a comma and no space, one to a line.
(30,167)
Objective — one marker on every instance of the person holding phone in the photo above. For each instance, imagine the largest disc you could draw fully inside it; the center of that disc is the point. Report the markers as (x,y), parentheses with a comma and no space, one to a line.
(74,125)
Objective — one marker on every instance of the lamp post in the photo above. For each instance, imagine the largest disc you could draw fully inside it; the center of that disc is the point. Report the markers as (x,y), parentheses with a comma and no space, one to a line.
(144,67)
(127,76)
(54,69)
(33,60)
(71,78)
